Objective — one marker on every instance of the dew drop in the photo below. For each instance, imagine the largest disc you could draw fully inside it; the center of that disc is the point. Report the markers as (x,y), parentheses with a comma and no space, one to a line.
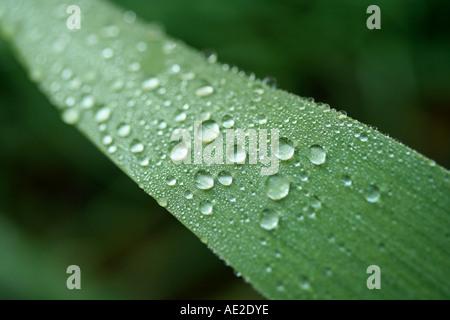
(347,180)
(285,149)
(206,208)
(181,117)
(268,220)
(225,178)
(136,146)
(107,53)
(277,187)
(150,84)
(107,140)
(123,130)
(179,152)
(171,181)
(204,180)
(70,116)
(103,114)
(227,121)
(204,91)
(316,203)
(317,155)
(237,155)
(188,195)
(210,131)
(373,194)
(87,102)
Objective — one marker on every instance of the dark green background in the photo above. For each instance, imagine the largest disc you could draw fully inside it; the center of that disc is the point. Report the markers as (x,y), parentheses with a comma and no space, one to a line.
(62,202)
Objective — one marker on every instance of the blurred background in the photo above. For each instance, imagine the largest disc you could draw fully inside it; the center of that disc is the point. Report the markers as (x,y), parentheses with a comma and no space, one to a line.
(62,202)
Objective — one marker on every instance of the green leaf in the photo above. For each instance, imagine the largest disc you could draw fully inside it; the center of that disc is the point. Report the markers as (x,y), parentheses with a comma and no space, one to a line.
(345,196)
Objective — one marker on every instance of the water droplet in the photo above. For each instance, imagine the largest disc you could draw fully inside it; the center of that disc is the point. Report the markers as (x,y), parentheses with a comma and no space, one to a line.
(317,155)
(373,194)
(103,114)
(285,149)
(225,178)
(136,146)
(262,119)
(316,203)
(238,154)
(129,16)
(268,220)
(227,121)
(206,208)
(347,180)
(181,117)
(123,130)
(87,102)
(204,180)
(70,116)
(188,195)
(107,53)
(107,140)
(210,131)
(150,84)
(270,81)
(204,91)
(277,187)
(179,152)
(363,137)
(171,181)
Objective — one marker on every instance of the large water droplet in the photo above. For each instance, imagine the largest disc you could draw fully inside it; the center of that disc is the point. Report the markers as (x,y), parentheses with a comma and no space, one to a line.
(225,178)
(150,84)
(171,181)
(317,155)
(179,152)
(277,187)
(268,220)
(210,131)
(347,180)
(204,91)
(123,130)
(373,194)
(204,180)
(136,146)
(103,114)
(285,150)
(206,208)
(237,155)
(227,121)
(70,116)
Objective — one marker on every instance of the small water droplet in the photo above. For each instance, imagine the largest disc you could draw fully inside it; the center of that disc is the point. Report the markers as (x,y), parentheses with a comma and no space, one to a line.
(136,146)
(179,152)
(103,114)
(285,149)
(70,116)
(188,195)
(225,178)
(204,91)
(123,130)
(317,155)
(181,117)
(171,181)
(210,131)
(206,208)
(107,140)
(277,187)
(316,203)
(270,81)
(373,194)
(347,180)
(363,137)
(87,102)
(150,84)
(268,220)
(227,121)
(107,53)
(262,119)
(204,180)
